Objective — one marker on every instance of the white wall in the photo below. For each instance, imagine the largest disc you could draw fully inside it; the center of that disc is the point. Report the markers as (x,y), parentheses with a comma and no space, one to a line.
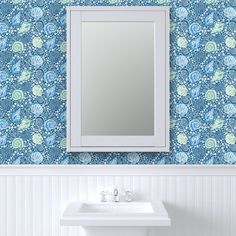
(201,200)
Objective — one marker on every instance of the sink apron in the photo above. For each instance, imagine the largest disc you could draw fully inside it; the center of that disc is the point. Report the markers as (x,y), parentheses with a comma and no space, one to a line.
(115,231)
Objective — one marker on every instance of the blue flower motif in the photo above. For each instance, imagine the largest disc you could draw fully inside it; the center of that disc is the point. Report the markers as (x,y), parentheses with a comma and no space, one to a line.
(36,12)
(181,13)
(36,61)
(63,68)
(16,19)
(50,28)
(64,161)
(195,28)
(3,92)
(195,92)
(16,115)
(181,157)
(85,157)
(16,68)
(195,43)
(209,161)
(36,109)
(209,68)
(230,61)
(3,140)
(50,43)
(3,124)
(112,161)
(3,76)
(209,20)
(3,43)
(194,76)
(36,157)
(181,61)
(194,141)
(50,140)
(50,124)
(3,28)
(230,12)
(230,157)
(16,161)
(50,76)
(50,92)
(63,20)
(181,109)
(230,109)
(63,116)
(209,116)
(133,157)
(195,124)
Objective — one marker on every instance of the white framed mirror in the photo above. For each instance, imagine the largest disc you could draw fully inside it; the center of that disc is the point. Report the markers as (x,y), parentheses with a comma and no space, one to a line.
(117,79)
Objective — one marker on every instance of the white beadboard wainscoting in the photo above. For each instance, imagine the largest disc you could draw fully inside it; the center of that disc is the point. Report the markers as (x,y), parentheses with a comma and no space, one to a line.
(201,200)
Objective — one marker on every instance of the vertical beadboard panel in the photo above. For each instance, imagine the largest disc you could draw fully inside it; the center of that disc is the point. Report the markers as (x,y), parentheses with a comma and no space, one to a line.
(20,205)
(232,213)
(56,211)
(127,181)
(11,205)
(145,187)
(37,205)
(3,205)
(198,205)
(46,205)
(28,206)
(92,188)
(100,183)
(226,201)
(181,199)
(136,187)
(65,192)
(83,188)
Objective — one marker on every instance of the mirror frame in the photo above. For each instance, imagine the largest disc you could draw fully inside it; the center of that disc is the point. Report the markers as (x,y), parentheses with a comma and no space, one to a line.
(159,142)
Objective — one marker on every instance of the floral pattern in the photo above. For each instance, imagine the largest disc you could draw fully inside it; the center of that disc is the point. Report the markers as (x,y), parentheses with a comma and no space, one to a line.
(33,83)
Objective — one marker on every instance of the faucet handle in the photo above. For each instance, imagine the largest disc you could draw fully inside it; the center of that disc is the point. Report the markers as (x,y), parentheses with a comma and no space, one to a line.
(103,196)
(128,196)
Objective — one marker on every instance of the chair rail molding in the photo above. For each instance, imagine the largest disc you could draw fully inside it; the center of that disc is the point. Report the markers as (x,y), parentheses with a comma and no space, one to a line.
(120,170)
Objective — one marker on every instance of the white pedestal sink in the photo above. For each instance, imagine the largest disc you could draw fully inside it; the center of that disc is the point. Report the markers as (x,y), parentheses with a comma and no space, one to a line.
(115,219)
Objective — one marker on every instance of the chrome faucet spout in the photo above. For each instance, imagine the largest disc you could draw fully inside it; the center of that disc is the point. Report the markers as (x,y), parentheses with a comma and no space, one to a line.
(116,195)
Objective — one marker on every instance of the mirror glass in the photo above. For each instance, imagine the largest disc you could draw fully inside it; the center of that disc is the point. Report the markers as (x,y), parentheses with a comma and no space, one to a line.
(117,78)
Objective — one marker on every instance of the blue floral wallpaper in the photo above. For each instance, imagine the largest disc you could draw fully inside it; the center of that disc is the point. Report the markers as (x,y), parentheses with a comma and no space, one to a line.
(33,83)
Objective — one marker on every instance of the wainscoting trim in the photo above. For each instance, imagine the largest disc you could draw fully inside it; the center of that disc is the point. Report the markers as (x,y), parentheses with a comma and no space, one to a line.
(200,200)
(117,170)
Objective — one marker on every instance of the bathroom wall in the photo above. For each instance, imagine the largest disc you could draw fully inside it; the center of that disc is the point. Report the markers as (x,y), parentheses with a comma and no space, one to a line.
(33,83)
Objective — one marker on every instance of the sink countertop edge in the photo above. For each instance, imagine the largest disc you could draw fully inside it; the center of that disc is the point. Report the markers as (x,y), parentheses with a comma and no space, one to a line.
(72,217)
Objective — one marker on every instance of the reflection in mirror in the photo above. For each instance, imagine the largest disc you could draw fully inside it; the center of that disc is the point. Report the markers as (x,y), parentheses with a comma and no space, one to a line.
(117,78)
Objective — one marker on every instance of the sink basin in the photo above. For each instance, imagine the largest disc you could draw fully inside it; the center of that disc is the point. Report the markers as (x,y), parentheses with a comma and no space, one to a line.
(115,214)
(116,208)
